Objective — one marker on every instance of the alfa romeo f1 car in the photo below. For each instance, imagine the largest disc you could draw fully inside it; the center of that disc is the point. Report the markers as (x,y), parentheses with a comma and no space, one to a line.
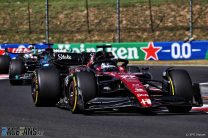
(101,82)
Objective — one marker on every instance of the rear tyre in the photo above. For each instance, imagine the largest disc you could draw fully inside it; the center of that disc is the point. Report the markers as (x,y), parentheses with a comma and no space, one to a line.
(16,68)
(4,64)
(82,88)
(46,87)
(181,87)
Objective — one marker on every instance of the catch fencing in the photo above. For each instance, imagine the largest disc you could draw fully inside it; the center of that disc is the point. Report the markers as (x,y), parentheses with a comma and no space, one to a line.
(24,21)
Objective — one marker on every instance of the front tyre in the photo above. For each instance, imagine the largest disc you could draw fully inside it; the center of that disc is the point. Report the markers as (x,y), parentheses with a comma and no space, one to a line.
(82,88)
(181,87)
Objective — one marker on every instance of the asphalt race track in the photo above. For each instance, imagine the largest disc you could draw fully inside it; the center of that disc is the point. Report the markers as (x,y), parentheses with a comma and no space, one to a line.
(17,110)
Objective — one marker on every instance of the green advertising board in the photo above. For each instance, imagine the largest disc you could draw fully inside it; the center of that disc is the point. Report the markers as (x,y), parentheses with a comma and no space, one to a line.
(129,51)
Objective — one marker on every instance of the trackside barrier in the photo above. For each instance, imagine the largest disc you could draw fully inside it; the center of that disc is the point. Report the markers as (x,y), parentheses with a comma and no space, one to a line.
(19,48)
(134,50)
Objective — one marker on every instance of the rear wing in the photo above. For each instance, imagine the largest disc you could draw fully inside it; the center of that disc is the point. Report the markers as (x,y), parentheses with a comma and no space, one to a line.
(68,59)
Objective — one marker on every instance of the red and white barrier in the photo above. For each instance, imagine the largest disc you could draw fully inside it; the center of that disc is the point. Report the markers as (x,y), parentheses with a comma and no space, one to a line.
(4,76)
(204,108)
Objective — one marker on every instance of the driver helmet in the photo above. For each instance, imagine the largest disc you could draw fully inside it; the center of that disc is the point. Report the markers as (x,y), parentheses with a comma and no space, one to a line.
(31,47)
(49,50)
(106,67)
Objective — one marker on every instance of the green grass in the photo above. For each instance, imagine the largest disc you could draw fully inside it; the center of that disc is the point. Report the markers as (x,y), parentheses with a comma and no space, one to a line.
(59,4)
(93,3)
(100,2)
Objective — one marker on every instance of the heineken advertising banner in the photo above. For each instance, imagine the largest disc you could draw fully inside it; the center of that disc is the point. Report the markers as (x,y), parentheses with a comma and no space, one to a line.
(132,50)
(146,50)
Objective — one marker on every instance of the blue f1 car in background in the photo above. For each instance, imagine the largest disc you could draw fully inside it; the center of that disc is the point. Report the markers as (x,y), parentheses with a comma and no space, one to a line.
(21,68)
(5,57)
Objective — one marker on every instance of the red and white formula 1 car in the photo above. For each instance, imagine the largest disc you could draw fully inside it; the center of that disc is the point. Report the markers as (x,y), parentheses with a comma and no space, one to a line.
(102,83)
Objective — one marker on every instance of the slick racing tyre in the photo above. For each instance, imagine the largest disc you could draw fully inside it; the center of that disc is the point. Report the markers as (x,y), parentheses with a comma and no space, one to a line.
(4,64)
(16,69)
(82,88)
(181,86)
(46,87)
(132,69)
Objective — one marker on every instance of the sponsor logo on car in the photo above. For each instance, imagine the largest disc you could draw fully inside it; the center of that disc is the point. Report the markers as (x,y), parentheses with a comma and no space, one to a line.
(128,76)
(140,95)
(63,57)
(146,101)
(136,85)
(139,90)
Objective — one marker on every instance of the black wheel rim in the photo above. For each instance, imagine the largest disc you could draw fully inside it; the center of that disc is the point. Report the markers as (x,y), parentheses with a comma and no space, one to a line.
(34,90)
(71,94)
